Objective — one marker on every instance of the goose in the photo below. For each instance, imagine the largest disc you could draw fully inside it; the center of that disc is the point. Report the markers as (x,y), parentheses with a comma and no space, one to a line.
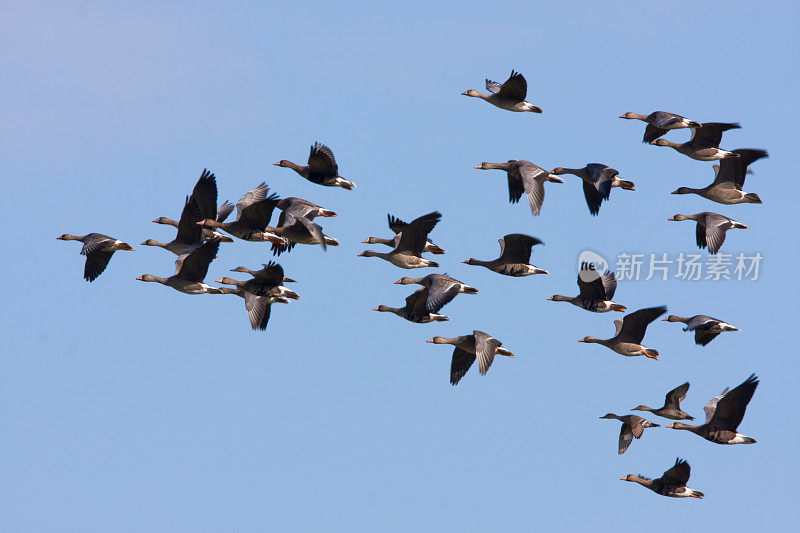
(659,123)
(704,143)
(479,345)
(515,254)
(724,413)
(524,177)
(705,328)
(409,247)
(672,404)
(296,226)
(189,233)
(729,178)
(441,290)
(711,228)
(630,333)
(397,226)
(98,249)
(253,213)
(596,293)
(190,270)
(672,483)
(415,309)
(258,307)
(509,96)
(321,169)
(267,281)
(266,271)
(598,179)
(632,426)
(204,195)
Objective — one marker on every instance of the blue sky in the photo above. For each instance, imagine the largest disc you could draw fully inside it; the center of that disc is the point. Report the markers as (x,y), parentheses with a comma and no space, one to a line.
(131,407)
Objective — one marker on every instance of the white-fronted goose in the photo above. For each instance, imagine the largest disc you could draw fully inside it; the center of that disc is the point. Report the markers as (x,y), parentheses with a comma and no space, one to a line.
(98,249)
(467,348)
(729,178)
(705,328)
(509,96)
(515,256)
(632,426)
(597,180)
(596,293)
(265,282)
(524,177)
(189,234)
(321,169)
(258,307)
(672,404)
(415,309)
(671,484)
(190,270)
(269,272)
(659,123)
(711,228)
(408,250)
(724,413)
(441,290)
(296,226)
(630,333)
(397,226)
(253,213)
(704,144)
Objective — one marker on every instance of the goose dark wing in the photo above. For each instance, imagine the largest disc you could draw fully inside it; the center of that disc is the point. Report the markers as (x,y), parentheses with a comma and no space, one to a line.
(662,119)
(651,133)
(516,247)
(96,263)
(731,407)
(635,324)
(189,232)
(515,87)
(441,291)
(593,198)
(271,274)
(193,264)
(516,187)
(710,134)
(258,310)
(625,438)
(678,475)
(415,234)
(599,289)
(205,195)
(461,362)
(676,396)
(94,242)
(734,170)
(321,163)
(224,211)
(416,305)
(395,224)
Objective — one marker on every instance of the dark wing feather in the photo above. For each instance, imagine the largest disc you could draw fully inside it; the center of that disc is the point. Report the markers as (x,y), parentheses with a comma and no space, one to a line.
(515,87)
(710,134)
(678,475)
(593,198)
(94,242)
(635,324)
(193,264)
(732,406)
(189,232)
(224,211)
(651,133)
(395,224)
(321,164)
(516,247)
(271,274)
(415,234)
(205,195)
(676,396)
(96,263)
(662,119)
(416,305)
(440,292)
(734,170)
(461,362)
(625,438)
(516,187)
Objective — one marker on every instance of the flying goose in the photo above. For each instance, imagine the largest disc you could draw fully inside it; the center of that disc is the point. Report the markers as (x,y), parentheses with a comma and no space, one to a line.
(397,226)
(415,310)
(596,293)
(189,235)
(267,272)
(598,179)
(672,404)
(190,270)
(659,123)
(321,169)
(441,290)
(265,282)
(724,413)
(711,228)
(632,426)
(524,177)
(704,144)
(467,348)
(672,483)
(630,333)
(258,307)
(729,178)
(705,328)
(253,214)
(296,226)
(98,249)
(408,249)
(515,255)
(509,96)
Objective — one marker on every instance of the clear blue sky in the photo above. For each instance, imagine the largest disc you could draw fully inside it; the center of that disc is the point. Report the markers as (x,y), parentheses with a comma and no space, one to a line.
(130,407)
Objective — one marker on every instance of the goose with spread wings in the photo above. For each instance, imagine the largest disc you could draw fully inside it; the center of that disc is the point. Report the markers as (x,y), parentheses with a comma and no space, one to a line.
(296,226)
(630,332)
(598,180)
(515,256)
(397,226)
(190,270)
(672,404)
(706,328)
(632,426)
(659,123)
(408,249)
(596,293)
(98,249)
(524,178)
(509,96)
(253,214)
(321,168)
(729,178)
(672,483)
(704,143)
(710,229)
(479,345)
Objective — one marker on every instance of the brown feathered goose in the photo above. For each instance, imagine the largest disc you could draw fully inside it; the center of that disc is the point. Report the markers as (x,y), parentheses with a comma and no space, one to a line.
(258,307)
(509,96)
(524,178)
(711,228)
(441,290)
(671,484)
(397,226)
(467,348)
(296,226)
(321,169)
(705,327)
(596,293)
(253,214)
(632,426)
(98,249)
(415,310)
(265,282)
(630,333)
(704,144)
(724,413)
(659,123)
(729,180)
(189,234)
(672,404)
(408,250)
(598,179)
(190,270)
(267,271)
(515,256)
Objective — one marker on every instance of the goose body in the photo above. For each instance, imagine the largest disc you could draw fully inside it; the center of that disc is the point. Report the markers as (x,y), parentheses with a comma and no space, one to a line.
(296,226)
(710,229)
(509,96)
(321,169)
(253,214)
(524,178)
(704,143)
(416,309)
(671,484)
(98,249)
(659,123)
(595,294)
(672,404)
(729,178)
(598,180)
(706,328)
(408,249)
(632,426)
(630,333)
(397,226)
(190,270)
(515,255)
(479,345)
(440,290)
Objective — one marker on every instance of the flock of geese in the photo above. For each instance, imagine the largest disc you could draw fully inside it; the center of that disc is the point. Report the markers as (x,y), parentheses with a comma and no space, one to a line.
(203,227)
